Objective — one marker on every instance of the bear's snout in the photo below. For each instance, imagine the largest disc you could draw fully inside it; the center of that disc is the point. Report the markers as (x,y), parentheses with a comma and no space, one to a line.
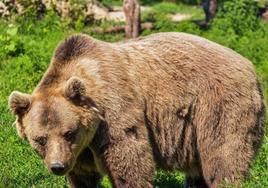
(58,168)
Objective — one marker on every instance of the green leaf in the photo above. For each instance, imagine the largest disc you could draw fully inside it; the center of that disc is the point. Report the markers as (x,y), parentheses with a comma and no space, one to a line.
(12,31)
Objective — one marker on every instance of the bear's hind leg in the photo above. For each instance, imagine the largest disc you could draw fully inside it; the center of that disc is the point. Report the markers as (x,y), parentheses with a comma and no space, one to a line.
(228,144)
(228,164)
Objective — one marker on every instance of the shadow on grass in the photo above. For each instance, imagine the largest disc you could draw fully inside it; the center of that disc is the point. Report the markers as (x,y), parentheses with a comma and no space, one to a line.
(7,182)
(165,179)
(39,180)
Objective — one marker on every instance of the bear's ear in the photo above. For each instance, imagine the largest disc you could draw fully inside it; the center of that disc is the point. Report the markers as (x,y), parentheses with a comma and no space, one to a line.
(19,102)
(75,88)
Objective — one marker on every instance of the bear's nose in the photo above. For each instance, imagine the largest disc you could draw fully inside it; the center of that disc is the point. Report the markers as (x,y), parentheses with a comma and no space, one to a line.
(57,168)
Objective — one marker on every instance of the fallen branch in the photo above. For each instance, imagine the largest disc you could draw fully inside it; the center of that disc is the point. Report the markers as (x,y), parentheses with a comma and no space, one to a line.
(121,28)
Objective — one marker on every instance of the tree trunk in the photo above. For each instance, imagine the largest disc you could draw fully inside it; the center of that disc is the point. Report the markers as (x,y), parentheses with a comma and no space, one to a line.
(132,12)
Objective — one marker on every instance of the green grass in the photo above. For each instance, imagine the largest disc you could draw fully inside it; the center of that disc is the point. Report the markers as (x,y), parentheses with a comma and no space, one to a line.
(171,8)
(25,51)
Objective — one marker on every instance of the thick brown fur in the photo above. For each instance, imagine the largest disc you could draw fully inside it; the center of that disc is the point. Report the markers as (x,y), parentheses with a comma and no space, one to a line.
(168,100)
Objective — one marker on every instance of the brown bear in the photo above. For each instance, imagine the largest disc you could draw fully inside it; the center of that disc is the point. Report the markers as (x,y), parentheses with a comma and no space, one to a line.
(168,100)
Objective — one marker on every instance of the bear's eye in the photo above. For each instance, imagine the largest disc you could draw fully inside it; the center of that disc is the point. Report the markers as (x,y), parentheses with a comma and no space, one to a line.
(42,140)
(70,135)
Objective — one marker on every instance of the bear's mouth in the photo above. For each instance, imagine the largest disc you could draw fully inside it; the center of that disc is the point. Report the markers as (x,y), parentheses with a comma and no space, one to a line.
(60,173)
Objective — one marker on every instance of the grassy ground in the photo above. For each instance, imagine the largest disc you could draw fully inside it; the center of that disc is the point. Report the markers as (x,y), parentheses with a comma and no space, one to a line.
(25,51)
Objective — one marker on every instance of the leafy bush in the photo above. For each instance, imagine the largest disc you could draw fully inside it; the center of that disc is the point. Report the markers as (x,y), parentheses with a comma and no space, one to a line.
(238,27)
(165,179)
(238,15)
(11,44)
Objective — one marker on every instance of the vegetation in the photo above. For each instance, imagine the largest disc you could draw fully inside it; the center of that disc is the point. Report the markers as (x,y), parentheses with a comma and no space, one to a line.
(27,45)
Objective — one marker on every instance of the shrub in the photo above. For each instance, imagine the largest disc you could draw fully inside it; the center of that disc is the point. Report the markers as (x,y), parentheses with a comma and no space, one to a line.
(238,15)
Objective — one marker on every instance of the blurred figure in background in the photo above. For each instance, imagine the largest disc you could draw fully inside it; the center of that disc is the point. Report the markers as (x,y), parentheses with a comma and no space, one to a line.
(210,9)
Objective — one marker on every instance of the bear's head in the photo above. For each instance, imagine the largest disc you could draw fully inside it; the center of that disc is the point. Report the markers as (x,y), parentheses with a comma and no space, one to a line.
(57,123)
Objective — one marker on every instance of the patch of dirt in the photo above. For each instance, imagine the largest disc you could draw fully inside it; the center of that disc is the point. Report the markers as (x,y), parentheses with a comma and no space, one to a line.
(180,17)
(118,16)
(116,13)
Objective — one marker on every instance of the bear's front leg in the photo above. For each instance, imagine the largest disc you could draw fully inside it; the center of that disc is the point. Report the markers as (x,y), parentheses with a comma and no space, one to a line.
(130,164)
(84,174)
(197,182)
(128,157)
(89,180)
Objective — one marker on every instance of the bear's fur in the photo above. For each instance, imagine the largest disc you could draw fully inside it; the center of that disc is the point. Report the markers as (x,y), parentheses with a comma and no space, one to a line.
(168,100)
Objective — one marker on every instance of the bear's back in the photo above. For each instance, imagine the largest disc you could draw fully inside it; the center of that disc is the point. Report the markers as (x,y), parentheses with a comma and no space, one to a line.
(173,45)
(169,58)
